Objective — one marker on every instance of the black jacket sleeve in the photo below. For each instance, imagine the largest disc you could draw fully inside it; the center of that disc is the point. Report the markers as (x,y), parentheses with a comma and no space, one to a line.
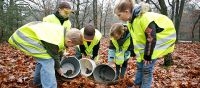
(131,48)
(150,34)
(82,49)
(111,46)
(95,50)
(52,50)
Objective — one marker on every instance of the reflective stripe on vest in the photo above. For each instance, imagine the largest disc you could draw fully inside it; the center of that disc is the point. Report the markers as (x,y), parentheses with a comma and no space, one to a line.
(165,40)
(53,19)
(30,41)
(28,45)
(95,41)
(27,38)
(120,53)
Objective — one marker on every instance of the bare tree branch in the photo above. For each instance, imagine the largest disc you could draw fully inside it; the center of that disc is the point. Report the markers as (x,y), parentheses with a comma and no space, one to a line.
(155,5)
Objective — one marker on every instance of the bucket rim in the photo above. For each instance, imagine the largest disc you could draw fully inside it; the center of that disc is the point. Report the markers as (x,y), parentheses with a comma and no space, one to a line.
(103,81)
(91,62)
(77,61)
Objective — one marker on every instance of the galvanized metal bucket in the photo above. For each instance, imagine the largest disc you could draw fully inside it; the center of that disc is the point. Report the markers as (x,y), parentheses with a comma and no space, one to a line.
(70,67)
(87,66)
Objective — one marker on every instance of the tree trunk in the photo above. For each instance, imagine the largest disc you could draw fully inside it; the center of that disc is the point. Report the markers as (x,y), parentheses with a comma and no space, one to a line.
(1,20)
(104,28)
(178,16)
(1,34)
(95,13)
(195,23)
(177,19)
(163,7)
(77,14)
(10,16)
(106,14)
(101,15)
(84,14)
(1,5)
(172,6)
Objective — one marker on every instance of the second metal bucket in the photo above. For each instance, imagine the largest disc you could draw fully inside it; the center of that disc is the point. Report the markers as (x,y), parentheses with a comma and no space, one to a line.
(87,66)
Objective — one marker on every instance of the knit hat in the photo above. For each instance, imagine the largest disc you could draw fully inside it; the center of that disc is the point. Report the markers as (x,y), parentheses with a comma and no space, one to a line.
(64,5)
(89,32)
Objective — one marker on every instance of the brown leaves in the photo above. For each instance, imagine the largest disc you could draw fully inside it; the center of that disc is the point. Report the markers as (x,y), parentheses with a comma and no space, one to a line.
(16,69)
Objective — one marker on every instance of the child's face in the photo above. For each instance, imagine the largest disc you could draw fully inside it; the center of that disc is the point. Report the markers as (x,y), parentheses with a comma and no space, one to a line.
(124,16)
(65,12)
(69,43)
(117,36)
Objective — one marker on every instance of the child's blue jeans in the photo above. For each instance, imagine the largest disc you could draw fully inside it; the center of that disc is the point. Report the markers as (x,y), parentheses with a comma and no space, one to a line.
(45,73)
(144,74)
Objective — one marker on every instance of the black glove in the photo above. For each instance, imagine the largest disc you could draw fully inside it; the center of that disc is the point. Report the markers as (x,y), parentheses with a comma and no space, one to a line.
(133,54)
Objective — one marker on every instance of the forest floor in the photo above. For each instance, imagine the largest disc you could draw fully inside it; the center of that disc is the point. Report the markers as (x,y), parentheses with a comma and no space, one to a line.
(16,69)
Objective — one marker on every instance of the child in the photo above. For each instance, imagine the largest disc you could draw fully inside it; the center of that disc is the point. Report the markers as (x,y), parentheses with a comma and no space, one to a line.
(91,42)
(61,16)
(120,48)
(44,41)
(153,36)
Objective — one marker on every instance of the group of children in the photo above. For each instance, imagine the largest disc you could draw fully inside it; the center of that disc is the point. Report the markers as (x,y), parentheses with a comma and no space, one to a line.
(147,36)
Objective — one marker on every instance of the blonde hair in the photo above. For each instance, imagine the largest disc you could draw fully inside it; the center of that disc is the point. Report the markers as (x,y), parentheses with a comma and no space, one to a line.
(75,36)
(116,29)
(144,7)
(122,5)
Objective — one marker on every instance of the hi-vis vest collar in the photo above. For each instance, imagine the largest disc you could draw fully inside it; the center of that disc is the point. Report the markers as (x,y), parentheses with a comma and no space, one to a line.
(125,45)
(120,50)
(53,19)
(95,41)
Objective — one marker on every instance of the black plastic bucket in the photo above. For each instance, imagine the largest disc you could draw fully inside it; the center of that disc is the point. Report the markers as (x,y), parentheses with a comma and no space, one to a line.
(104,73)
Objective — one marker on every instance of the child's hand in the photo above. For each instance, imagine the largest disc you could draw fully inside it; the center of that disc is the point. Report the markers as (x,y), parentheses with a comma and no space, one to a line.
(60,72)
(111,64)
(146,62)
(88,56)
(65,54)
(83,56)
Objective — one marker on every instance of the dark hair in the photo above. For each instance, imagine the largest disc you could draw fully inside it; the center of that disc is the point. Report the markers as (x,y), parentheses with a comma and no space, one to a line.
(89,30)
(64,5)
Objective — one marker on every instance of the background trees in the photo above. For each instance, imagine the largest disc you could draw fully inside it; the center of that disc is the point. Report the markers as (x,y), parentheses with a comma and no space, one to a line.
(14,13)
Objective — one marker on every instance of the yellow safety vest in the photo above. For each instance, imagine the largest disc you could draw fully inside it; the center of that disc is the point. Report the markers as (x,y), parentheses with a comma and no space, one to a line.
(28,38)
(95,41)
(53,19)
(165,40)
(120,54)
